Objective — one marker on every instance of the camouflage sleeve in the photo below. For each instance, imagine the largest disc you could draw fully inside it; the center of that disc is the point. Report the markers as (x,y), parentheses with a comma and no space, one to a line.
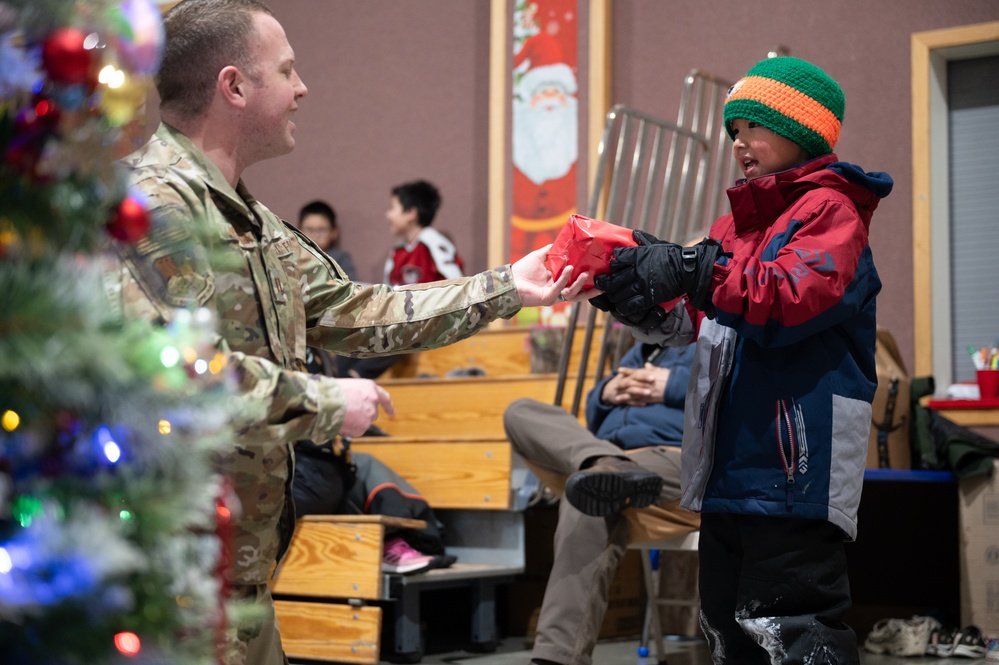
(355,320)
(276,405)
(283,405)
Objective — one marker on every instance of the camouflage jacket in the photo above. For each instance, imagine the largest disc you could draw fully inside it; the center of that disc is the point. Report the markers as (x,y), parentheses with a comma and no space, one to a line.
(274,292)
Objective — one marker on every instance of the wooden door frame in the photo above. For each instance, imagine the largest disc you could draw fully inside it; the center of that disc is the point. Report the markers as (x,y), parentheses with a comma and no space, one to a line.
(931,50)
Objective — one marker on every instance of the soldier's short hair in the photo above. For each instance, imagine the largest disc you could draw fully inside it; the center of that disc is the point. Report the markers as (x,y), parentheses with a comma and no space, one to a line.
(203,37)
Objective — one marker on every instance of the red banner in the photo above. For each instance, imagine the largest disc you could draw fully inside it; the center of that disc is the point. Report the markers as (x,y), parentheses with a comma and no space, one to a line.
(545,122)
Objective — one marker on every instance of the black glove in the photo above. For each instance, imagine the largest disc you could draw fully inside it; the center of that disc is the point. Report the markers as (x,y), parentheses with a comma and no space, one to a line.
(643,276)
(646,319)
(698,268)
(654,272)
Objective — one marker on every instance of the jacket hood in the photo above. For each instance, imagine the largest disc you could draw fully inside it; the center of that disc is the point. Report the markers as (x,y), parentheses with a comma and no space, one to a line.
(761,200)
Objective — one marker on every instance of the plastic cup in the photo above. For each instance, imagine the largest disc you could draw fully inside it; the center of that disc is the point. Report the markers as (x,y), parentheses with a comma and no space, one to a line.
(988,383)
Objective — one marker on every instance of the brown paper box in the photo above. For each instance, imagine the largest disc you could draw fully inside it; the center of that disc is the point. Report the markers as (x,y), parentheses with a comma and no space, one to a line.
(979,511)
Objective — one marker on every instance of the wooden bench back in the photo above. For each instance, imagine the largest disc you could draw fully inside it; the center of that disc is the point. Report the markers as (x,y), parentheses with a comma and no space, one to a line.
(497,352)
(467,407)
(458,473)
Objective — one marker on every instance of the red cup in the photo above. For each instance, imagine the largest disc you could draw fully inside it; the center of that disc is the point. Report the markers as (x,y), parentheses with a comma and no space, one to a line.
(988,383)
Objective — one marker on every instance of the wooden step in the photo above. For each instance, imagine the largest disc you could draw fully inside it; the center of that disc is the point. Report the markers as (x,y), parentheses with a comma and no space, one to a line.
(496,351)
(330,632)
(499,351)
(461,407)
(460,472)
(336,556)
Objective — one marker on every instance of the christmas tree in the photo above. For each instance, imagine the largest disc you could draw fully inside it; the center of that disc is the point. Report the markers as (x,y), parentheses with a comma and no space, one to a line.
(112,522)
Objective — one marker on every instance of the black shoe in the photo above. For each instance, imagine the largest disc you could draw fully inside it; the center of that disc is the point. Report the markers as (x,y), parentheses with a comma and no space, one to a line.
(611,485)
(443,561)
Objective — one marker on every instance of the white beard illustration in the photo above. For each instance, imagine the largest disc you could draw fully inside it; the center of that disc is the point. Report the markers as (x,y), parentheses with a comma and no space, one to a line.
(545,139)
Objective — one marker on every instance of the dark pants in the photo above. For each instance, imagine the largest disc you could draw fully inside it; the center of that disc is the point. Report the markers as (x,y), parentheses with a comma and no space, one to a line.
(774,590)
(364,368)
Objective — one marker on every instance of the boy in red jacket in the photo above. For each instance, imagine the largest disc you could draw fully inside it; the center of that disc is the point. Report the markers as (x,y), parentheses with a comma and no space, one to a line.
(777,416)
(421,253)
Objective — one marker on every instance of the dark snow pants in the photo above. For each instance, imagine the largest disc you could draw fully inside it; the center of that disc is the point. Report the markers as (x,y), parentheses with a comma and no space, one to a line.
(774,590)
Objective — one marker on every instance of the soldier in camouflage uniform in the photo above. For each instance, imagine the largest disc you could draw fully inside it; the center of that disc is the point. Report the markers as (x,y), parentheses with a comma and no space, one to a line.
(228,88)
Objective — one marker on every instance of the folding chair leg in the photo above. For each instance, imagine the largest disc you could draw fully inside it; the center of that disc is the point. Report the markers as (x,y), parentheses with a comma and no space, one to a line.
(652,622)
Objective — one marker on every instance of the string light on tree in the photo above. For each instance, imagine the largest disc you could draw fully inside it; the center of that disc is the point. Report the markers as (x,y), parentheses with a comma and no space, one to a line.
(10,420)
(128,643)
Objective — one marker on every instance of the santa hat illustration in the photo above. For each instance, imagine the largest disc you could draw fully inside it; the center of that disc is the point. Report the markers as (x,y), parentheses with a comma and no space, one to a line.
(543,53)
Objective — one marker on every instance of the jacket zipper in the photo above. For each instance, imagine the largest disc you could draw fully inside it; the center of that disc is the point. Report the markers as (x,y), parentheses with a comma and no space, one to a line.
(787,447)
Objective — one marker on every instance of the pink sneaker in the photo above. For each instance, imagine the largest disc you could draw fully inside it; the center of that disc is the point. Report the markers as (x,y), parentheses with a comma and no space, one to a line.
(400,558)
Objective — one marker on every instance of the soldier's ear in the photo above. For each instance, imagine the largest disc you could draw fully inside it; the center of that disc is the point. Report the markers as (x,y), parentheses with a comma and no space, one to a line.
(232,86)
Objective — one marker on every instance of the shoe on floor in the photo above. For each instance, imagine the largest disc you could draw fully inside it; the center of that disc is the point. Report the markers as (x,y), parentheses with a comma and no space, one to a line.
(901,637)
(942,642)
(883,635)
(610,485)
(400,558)
(970,643)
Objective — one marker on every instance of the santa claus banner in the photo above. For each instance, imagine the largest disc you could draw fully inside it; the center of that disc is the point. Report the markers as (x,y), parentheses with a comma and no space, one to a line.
(545,122)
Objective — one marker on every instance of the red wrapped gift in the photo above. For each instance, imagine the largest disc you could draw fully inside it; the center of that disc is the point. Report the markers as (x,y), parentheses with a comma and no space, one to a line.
(587,245)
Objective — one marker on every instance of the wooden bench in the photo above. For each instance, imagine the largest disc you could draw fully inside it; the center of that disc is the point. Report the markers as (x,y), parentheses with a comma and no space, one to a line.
(330,592)
(334,558)
(447,440)
(446,409)
(499,351)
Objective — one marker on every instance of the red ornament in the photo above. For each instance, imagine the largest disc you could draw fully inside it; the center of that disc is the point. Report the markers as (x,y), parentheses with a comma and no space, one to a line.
(64,57)
(37,119)
(130,222)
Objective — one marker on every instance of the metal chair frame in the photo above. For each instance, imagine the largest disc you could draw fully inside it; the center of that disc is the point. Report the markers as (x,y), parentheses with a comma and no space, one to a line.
(668,179)
(650,184)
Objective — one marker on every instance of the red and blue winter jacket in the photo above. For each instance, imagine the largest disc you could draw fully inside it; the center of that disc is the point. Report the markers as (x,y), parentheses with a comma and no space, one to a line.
(778,415)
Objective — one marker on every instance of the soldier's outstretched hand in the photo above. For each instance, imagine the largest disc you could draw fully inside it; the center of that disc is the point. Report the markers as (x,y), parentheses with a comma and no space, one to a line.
(363,396)
(536,287)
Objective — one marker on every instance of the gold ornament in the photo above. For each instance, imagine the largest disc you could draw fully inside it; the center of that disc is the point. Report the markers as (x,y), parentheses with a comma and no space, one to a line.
(122,97)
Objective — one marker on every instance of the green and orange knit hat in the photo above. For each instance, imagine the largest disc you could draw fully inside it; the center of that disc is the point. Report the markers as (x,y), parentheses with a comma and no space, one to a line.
(791,97)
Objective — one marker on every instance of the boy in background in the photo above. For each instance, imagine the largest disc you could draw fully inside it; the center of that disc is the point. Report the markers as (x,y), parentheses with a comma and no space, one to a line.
(421,253)
(777,416)
(318,221)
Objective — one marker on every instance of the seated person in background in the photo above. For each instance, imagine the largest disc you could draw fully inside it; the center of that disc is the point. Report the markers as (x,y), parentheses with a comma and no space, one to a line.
(318,221)
(630,454)
(331,480)
(420,254)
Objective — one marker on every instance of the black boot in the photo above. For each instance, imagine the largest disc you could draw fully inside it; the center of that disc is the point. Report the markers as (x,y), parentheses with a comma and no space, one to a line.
(610,485)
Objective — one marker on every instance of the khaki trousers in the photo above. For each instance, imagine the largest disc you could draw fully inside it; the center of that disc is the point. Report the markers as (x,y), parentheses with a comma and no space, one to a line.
(587,549)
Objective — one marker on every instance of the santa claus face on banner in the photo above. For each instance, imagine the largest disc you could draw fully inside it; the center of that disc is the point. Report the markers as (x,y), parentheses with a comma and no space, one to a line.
(545,119)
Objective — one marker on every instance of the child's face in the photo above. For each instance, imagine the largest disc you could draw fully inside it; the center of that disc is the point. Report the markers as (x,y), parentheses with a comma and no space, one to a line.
(319,230)
(759,151)
(401,221)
